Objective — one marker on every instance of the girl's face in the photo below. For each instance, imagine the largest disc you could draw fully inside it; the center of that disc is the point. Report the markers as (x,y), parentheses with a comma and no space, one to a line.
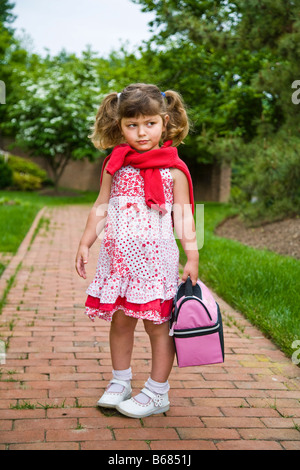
(143,133)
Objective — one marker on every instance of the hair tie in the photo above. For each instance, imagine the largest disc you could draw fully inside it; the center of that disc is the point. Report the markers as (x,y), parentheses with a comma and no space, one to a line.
(118,95)
(163,93)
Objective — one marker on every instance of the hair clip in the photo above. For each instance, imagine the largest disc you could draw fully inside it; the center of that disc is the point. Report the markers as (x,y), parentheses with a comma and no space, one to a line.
(163,93)
(118,95)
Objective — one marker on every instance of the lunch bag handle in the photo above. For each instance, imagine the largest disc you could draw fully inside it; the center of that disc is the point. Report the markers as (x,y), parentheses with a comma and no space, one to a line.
(190,290)
(188,287)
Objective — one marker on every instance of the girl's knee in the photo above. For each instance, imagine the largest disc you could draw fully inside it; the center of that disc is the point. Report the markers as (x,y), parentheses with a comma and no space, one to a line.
(122,322)
(153,329)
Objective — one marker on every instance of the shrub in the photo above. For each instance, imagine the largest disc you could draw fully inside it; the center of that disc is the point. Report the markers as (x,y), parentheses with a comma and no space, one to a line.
(6,174)
(268,179)
(25,175)
(21,165)
(26,182)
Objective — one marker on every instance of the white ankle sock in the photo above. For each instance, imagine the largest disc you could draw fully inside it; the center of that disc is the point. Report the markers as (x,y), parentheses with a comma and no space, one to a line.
(160,388)
(157,387)
(124,375)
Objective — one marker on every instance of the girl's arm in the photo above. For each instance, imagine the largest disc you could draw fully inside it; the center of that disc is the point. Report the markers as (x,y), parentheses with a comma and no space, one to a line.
(94,225)
(184,224)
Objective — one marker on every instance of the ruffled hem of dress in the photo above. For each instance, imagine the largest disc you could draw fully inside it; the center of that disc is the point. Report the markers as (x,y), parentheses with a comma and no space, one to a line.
(152,315)
(156,310)
(136,290)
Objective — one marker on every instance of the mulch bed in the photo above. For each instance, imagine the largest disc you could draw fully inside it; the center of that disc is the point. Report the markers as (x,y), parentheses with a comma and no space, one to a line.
(283,237)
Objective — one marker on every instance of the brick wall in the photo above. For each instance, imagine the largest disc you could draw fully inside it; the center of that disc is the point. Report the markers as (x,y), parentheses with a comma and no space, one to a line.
(211,182)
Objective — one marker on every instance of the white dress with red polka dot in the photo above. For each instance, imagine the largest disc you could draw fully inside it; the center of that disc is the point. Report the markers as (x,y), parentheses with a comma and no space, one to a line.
(137,270)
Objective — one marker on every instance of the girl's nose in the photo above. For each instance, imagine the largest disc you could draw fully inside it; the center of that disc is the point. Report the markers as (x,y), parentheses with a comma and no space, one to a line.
(141,130)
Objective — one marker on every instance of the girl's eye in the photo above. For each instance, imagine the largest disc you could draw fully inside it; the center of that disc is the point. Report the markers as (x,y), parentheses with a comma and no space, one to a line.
(148,124)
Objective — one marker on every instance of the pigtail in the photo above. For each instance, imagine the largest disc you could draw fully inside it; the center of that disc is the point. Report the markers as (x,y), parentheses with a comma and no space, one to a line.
(106,130)
(178,124)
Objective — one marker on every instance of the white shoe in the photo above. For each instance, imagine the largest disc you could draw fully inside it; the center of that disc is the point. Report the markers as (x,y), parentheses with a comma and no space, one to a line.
(134,409)
(112,399)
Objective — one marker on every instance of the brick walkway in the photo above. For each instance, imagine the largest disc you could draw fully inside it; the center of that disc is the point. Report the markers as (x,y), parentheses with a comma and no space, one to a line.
(58,363)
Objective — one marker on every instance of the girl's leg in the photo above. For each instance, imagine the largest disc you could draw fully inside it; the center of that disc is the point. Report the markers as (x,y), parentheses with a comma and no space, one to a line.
(153,398)
(121,340)
(163,351)
(121,345)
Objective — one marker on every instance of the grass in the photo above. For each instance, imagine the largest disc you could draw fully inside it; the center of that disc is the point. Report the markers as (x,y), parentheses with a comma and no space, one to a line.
(2,267)
(17,213)
(263,285)
(18,210)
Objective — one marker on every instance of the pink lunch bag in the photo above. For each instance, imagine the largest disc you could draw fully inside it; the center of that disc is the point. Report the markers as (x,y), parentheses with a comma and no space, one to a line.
(196,326)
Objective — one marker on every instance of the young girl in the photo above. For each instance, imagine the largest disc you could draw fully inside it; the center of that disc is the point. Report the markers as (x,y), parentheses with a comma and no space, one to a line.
(145,190)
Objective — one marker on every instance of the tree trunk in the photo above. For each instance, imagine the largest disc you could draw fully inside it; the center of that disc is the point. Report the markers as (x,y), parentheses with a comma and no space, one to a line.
(58,165)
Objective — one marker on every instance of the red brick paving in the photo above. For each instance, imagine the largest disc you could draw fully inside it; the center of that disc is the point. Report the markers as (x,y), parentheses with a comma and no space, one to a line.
(58,363)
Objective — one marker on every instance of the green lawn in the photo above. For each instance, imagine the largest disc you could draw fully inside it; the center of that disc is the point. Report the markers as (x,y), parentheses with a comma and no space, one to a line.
(18,210)
(262,285)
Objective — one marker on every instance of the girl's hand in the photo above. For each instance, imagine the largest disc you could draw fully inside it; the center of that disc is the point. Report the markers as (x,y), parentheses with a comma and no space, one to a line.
(81,260)
(191,269)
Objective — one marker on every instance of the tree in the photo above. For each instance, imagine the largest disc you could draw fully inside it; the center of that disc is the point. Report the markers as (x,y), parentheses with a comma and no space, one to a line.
(250,48)
(54,117)
(6,40)
(241,59)
(6,15)
(200,58)
(14,59)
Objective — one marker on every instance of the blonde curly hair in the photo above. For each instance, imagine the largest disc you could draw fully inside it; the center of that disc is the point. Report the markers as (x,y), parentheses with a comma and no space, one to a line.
(136,100)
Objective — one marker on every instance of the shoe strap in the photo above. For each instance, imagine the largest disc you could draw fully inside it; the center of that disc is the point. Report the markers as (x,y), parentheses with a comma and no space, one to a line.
(155,397)
(119,382)
(148,392)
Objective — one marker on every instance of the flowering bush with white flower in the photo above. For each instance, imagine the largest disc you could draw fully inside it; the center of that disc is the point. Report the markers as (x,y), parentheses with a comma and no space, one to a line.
(56,113)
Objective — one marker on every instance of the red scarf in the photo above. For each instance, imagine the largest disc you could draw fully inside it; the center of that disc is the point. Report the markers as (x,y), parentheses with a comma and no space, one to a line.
(149,164)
